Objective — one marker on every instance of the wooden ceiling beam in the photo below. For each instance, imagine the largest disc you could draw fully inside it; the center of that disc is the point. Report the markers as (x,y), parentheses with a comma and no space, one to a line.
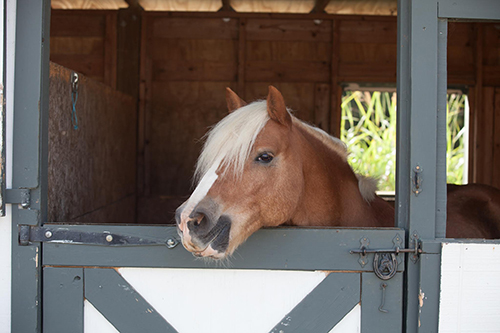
(319,6)
(226,6)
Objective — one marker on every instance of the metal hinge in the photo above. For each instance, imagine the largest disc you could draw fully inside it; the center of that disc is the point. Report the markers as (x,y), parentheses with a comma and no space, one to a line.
(385,261)
(21,196)
(29,234)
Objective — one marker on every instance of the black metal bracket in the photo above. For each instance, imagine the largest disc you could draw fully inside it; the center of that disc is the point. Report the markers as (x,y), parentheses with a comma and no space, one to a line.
(29,234)
(19,196)
(385,261)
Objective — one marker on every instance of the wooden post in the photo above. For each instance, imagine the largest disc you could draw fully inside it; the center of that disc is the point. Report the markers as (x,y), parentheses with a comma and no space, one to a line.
(336,89)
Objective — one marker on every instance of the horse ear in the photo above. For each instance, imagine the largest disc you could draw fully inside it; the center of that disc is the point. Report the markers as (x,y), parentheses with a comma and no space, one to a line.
(276,107)
(233,101)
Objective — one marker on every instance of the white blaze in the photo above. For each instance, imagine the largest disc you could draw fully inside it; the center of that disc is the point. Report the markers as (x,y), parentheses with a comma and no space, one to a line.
(199,193)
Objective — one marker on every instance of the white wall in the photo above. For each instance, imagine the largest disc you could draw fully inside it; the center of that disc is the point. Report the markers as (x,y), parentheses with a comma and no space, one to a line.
(470,288)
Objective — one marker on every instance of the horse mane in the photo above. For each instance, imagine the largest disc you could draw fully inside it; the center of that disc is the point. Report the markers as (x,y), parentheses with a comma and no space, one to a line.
(231,140)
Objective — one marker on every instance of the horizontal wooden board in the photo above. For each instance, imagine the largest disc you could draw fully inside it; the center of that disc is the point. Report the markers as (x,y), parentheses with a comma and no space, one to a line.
(165,49)
(72,24)
(287,71)
(90,65)
(367,72)
(491,76)
(180,114)
(275,6)
(460,34)
(194,71)
(182,5)
(192,28)
(380,32)
(89,4)
(288,51)
(76,45)
(458,55)
(491,55)
(298,30)
(299,96)
(367,52)
(362,7)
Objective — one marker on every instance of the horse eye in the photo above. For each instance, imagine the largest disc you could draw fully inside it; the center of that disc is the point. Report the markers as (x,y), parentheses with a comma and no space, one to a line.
(264,158)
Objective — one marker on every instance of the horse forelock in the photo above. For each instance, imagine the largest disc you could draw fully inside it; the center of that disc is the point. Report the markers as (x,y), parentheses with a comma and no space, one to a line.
(230,141)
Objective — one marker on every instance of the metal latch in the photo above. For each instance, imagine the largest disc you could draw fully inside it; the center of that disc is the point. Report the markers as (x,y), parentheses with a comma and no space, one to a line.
(29,234)
(385,262)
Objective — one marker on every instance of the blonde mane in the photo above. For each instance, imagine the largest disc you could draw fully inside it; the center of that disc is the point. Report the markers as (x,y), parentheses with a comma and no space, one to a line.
(231,141)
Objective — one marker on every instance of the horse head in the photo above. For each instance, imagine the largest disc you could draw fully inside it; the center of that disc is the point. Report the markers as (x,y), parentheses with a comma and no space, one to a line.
(262,167)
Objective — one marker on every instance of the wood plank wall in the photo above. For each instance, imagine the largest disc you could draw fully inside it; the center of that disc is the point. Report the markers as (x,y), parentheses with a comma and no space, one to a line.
(92,169)
(85,41)
(187,59)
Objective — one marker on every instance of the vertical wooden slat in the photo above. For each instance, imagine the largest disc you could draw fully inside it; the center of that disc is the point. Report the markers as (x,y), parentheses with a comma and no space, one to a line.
(496,141)
(336,89)
(110,49)
(322,106)
(474,174)
(242,40)
(143,104)
(484,137)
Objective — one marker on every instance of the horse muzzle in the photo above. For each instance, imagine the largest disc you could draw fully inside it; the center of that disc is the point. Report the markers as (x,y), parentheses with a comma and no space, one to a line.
(203,232)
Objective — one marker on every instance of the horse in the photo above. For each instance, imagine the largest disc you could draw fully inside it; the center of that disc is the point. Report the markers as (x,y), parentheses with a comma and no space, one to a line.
(261,166)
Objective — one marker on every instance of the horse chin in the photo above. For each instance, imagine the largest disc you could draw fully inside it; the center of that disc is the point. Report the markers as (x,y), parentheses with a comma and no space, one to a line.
(209,252)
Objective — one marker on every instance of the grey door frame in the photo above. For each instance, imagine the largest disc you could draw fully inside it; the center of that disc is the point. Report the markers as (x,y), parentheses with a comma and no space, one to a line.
(421,90)
(421,141)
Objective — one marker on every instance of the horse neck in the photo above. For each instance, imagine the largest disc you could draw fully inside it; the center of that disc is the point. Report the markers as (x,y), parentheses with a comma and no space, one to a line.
(331,195)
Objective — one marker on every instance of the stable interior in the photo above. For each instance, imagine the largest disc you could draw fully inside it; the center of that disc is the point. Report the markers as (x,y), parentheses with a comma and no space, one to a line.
(152,76)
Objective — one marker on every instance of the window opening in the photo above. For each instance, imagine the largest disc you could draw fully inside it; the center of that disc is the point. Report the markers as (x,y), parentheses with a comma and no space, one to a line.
(368,127)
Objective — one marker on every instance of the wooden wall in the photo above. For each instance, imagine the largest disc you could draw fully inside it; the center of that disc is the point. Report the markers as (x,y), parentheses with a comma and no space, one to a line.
(187,59)
(85,41)
(92,170)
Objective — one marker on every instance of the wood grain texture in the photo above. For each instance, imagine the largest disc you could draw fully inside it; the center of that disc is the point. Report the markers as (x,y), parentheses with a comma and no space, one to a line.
(89,4)
(496,140)
(91,169)
(362,7)
(86,41)
(297,30)
(193,28)
(275,6)
(181,5)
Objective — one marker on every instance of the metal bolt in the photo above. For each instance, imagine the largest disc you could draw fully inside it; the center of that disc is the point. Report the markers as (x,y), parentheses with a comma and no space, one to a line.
(109,238)
(170,242)
(48,234)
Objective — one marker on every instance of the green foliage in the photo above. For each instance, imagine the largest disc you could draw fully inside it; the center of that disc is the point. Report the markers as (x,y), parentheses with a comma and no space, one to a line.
(369,129)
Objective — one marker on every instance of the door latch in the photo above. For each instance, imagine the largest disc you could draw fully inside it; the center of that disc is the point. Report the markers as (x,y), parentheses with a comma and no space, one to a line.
(385,261)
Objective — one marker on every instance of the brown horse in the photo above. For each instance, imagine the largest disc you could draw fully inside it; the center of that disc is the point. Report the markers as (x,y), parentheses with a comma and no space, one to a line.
(262,167)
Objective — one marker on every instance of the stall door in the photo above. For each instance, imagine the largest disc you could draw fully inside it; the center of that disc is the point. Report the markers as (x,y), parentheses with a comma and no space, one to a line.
(100,279)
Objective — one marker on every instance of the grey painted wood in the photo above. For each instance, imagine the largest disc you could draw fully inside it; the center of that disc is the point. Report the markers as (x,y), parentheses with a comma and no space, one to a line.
(429,292)
(417,145)
(120,304)
(63,300)
(477,9)
(441,178)
(29,148)
(281,248)
(372,319)
(325,306)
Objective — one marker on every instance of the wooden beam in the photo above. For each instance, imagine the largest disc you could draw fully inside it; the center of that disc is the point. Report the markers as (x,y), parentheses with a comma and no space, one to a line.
(336,89)
(226,6)
(319,6)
